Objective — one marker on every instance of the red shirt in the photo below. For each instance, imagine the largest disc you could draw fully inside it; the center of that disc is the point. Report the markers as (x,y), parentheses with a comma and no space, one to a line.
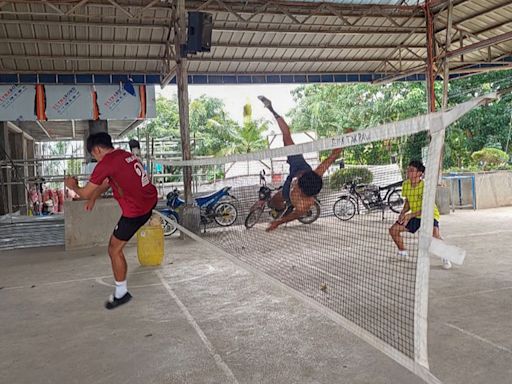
(129,181)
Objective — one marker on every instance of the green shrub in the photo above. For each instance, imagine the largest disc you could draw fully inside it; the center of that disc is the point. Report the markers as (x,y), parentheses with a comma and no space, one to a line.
(345,175)
(490,157)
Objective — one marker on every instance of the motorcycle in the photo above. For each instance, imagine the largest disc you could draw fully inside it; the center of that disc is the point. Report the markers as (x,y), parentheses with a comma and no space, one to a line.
(264,197)
(213,208)
(370,197)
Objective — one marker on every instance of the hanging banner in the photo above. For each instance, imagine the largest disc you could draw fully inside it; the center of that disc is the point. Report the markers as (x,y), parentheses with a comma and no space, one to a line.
(76,102)
(150,101)
(125,102)
(17,102)
(72,102)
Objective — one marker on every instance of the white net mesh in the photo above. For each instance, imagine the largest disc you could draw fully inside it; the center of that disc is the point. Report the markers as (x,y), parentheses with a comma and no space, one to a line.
(339,252)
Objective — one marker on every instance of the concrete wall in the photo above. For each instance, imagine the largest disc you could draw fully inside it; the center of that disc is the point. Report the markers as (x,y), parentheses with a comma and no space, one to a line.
(493,189)
(89,229)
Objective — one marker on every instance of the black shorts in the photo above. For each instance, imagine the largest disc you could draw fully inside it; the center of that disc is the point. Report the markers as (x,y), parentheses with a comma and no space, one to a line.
(414,224)
(297,164)
(128,226)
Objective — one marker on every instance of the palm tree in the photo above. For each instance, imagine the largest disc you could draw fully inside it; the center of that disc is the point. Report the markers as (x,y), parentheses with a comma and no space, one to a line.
(249,137)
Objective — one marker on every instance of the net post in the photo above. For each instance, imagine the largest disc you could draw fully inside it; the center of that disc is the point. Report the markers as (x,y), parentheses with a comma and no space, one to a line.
(425,238)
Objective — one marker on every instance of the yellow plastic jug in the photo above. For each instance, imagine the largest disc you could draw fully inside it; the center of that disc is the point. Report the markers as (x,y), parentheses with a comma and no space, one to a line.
(150,245)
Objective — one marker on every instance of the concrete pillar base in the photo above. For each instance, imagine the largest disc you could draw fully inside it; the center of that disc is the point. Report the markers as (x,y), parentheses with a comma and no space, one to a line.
(443,199)
(190,218)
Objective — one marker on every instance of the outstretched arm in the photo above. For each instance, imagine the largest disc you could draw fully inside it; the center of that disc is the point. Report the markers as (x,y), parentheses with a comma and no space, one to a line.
(294,215)
(324,165)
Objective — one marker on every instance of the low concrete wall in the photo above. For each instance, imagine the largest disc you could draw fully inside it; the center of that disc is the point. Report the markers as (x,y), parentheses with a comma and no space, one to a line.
(492,189)
(90,229)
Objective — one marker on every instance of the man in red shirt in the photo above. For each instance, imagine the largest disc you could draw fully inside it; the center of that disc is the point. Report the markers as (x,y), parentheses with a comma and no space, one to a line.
(123,172)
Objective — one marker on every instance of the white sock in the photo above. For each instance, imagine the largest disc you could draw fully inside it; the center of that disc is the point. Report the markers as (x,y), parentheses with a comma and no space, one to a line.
(403,253)
(121,289)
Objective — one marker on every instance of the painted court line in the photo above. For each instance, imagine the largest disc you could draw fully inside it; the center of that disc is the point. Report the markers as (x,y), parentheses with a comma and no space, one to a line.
(101,282)
(477,234)
(218,359)
(497,346)
(472,294)
(69,281)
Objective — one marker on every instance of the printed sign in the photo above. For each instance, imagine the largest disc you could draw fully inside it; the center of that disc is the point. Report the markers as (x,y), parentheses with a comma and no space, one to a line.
(76,102)
(17,102)
(73,102)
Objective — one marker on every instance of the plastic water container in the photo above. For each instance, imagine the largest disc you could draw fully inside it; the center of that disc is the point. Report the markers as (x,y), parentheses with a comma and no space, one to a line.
(150,245)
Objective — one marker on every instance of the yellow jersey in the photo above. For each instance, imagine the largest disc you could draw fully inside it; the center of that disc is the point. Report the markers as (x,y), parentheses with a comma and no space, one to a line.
(414,196)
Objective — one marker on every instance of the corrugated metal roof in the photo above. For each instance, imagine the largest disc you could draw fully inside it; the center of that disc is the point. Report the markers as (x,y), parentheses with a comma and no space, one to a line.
(99,37)
(102,41)
(249,37)
(367,2)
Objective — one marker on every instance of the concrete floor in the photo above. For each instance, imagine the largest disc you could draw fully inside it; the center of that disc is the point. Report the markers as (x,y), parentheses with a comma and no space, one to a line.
(203,319)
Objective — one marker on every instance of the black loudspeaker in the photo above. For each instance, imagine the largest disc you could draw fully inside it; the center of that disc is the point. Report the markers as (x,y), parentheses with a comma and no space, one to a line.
(199,34)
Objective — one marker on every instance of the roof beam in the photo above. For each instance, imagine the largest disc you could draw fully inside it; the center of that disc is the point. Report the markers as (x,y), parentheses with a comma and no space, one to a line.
(75,7)
(221,26)
(77,15)
(83,42)
(168,78)
(492,27)
(148,6)
(13,127)
(478,14)
(130,127)
(126,12)
(330,30)
(257,6)
(236,59)
(263,27)
(213,59)
(438,6)
(83,23)
(463,70)
(56,9)
(479,45)
(466,34)
(485,12)
(40,125)
(459,68)
(214,45)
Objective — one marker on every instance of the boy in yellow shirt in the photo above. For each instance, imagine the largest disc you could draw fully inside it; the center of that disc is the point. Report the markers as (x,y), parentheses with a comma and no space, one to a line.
(409,219)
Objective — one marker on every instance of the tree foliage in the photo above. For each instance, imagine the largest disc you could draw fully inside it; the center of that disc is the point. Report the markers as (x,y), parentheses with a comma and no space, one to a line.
(330,110)
(485,127)
(335,109)
(343,176)
(212,130)
(489,157)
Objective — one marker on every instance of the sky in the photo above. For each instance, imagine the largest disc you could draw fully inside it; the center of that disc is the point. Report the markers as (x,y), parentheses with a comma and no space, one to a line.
(236,96)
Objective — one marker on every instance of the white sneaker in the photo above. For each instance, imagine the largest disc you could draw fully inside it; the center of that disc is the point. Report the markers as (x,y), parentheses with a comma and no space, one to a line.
(447,264)
(401,256)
